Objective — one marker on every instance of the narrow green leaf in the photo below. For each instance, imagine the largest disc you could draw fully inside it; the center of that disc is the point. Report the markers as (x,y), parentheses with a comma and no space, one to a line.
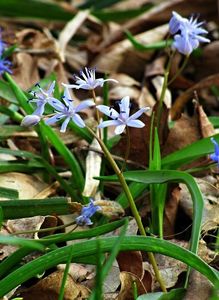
(7,264)
(155,46)
(175,294)
(15,241)
(120,15)
(189,153)
(164,176)
(34,9)
(16,209)
(44,130)
(8,193)
(88,248)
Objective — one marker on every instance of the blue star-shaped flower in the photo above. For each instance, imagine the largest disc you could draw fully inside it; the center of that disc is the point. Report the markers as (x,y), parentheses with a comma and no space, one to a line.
(87,212)
(68,111)
(88,80)
(188,33)
(121,119)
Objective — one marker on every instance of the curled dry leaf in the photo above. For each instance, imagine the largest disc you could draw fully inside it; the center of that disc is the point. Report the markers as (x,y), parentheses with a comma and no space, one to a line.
(69,30)
(210,193)
(111,209)
(131,261)
(93,167)
(207,129)
(25,74)
(49,287)
(181,101)
(126,292)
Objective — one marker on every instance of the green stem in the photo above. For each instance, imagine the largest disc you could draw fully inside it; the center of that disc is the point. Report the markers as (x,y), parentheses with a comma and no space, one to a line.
(131,204)
(179,70)
(164,87)
(97,111)
(127,149)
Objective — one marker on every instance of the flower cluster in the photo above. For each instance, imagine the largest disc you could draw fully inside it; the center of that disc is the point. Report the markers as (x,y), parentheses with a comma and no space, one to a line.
(187,33)
(87,212)
(66,111)
(5,64)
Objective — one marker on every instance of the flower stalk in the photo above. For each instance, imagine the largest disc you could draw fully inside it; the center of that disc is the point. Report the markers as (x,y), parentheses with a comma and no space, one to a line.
(131,204)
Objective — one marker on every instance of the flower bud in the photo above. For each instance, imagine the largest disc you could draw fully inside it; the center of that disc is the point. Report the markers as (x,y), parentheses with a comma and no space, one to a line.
(30,120)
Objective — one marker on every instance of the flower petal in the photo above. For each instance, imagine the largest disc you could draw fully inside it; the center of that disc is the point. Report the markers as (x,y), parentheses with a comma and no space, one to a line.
(51,88)
(109,111)
(119,129)
(216,146)
(78,121)
(65,124)
(135,123)
(40,108)
(54,119)
(125,107)
(138,113)
(58,105)
(109,123)
(84,104)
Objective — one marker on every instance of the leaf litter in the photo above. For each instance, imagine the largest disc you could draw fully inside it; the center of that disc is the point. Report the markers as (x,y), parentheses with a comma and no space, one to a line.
(63,49)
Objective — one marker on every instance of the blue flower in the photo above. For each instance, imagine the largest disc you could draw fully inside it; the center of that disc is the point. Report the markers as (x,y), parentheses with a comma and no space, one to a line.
(88,80)
(30,120)
(215,155)
(68,111)
(87,212)
(188,33)
(5,66)
(41,98)
(121,119)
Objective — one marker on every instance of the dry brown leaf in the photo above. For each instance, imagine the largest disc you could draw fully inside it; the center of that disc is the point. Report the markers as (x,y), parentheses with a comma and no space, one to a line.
(184,132)
(170,268)
(25,74)
(170,213)
(207,129)
(93,167)
(121,52)
(181,101)
(127,279)
(27,185)
(48,288)
(131,261)
(69,31)
(199,287)
(210,194)
(111,209)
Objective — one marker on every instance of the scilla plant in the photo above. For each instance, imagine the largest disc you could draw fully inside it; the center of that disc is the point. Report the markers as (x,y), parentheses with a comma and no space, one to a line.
(187,36)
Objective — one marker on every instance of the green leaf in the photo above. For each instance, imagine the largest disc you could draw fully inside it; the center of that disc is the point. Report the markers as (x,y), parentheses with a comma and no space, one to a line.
(34,9)
(16,209)
(45,131)
(15,241)
(7,264)
(120,15)
(164,176)
(189,153)
(172,295)
(88,248)
(8,193)
(155,46)
(214,121)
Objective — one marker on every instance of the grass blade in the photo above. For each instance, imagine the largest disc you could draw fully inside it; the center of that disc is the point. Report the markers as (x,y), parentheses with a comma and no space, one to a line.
(87,248)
